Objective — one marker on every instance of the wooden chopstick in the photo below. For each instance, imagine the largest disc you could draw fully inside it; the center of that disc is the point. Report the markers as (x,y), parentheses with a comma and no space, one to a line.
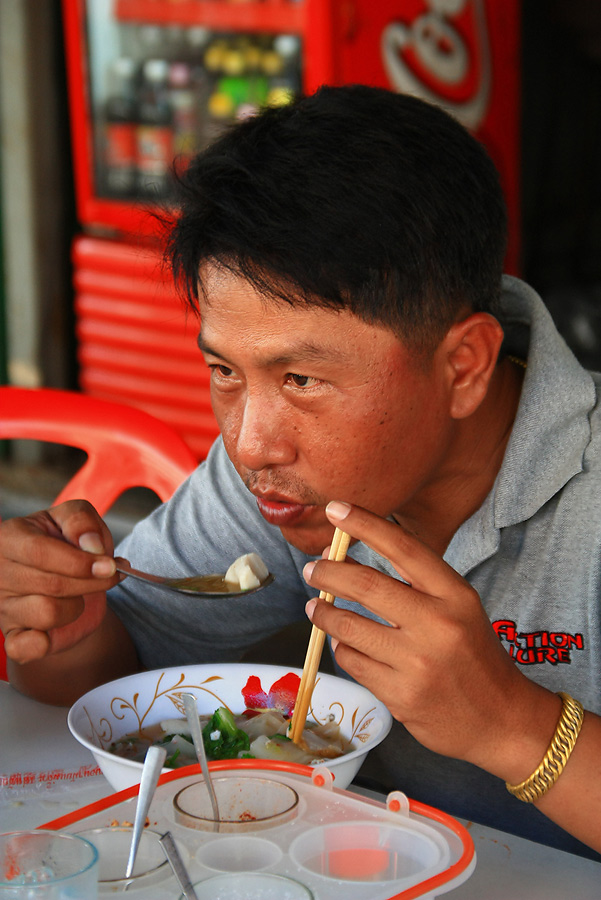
(338,549)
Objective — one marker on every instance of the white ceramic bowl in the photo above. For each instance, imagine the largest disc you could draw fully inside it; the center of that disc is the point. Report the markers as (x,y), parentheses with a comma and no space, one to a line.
(123,706)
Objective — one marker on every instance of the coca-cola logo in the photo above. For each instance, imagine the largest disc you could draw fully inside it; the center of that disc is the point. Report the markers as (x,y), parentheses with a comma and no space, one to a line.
(443,55)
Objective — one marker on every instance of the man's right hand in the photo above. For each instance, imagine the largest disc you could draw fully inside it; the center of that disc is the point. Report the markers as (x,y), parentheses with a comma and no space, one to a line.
(55,567)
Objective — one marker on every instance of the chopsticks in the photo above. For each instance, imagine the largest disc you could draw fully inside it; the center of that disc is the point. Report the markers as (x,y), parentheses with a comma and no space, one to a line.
(338,549)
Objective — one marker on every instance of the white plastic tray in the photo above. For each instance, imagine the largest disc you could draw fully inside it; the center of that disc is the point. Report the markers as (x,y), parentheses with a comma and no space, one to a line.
(339,845)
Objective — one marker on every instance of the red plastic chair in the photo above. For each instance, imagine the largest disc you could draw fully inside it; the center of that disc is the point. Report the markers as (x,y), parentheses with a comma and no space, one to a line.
(125,447)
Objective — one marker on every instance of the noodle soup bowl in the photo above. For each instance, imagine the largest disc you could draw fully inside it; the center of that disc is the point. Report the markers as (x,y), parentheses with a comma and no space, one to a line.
(137,702)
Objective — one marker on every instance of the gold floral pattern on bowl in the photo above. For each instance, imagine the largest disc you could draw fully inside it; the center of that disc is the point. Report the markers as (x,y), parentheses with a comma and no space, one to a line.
(104,732)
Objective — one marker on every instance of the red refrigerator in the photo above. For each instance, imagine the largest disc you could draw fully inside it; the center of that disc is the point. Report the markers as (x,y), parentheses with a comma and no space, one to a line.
(152,81)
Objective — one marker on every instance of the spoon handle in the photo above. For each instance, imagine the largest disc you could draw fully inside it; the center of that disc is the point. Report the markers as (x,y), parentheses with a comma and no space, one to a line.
(153,763)
(177,864)
(194,723)
(125,569)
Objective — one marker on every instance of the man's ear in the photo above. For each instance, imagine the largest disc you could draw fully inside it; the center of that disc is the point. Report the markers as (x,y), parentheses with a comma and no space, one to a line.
(470,349)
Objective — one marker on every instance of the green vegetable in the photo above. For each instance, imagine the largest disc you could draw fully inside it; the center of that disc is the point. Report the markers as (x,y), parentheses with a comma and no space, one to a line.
(171,760)
(230,741)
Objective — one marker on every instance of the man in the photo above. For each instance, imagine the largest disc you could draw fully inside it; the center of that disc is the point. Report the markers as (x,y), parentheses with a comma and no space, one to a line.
(368,370)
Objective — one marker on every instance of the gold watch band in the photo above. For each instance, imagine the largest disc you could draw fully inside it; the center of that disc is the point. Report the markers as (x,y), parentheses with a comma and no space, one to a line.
(557,755)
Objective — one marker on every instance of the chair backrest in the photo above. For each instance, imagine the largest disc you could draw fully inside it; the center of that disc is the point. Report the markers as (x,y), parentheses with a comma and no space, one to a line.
(125,447)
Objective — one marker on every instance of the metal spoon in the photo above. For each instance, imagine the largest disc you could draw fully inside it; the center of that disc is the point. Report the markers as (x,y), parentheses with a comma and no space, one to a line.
(194,725)
(153,763)
(196,585)
(177,864)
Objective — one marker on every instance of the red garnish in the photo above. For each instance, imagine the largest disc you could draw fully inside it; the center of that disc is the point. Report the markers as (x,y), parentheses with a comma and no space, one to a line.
(246,816)
(282,694)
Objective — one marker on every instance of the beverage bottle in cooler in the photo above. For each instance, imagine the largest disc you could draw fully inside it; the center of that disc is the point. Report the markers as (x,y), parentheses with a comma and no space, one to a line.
(184,111)
(119,165)
(196,37)
(155,131)
(174,41)
(282,66)
(214,55)
(221,110)
(149,41)
(220,106)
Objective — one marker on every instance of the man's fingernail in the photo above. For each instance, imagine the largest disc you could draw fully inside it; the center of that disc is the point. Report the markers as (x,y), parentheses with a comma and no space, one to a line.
(104,568)
(91,543)
(338,510)
(310,606)
(308,570)
(333,644)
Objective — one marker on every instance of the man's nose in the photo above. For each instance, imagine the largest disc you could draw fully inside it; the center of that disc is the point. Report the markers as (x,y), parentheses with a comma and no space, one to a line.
(264,435)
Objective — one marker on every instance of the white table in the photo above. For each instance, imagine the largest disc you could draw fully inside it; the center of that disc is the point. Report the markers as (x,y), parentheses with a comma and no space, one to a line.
(45,773)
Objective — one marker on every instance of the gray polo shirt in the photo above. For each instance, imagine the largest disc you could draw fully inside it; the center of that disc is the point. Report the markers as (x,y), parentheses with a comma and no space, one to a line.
(531,550)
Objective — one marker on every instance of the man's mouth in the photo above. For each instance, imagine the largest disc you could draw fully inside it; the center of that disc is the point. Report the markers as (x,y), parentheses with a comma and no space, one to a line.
(281,512)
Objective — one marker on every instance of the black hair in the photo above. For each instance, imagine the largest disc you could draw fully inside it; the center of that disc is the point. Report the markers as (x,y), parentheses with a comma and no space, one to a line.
(354,197)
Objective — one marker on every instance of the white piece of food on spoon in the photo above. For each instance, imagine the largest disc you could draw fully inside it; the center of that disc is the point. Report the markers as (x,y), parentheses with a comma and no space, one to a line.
(248,571)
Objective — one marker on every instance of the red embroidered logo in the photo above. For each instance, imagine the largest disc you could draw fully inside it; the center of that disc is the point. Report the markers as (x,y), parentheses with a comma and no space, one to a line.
(531,647)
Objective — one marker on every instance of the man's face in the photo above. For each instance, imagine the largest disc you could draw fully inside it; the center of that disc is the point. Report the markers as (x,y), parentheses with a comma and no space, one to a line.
(316,405)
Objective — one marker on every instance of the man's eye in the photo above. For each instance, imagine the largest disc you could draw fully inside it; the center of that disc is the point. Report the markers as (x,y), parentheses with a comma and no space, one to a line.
(301,380)
(222,370)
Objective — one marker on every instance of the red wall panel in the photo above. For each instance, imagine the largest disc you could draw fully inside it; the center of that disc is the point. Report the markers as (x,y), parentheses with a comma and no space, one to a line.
(136,342)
